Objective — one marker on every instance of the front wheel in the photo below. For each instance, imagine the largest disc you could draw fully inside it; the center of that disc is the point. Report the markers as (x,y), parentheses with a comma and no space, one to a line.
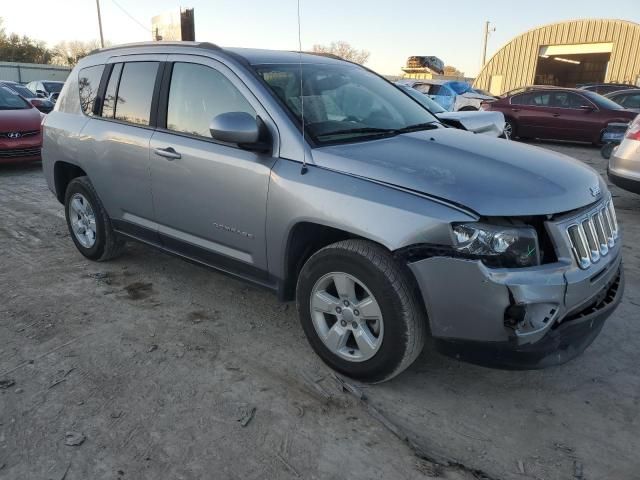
(509,128)
(607,150)
(360,311)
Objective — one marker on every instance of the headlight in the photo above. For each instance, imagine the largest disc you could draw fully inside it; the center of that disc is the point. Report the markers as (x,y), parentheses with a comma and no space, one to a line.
(498,246)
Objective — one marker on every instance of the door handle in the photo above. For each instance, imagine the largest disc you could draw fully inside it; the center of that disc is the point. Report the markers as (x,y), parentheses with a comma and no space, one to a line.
(555,115)
(515,109)
(169,153)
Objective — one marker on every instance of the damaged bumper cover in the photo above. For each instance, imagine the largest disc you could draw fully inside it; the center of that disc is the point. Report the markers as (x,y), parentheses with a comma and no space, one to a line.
(517,318)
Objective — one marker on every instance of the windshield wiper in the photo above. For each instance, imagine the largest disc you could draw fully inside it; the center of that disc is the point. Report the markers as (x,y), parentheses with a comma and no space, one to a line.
(371,130)
(418,126)
(384,131)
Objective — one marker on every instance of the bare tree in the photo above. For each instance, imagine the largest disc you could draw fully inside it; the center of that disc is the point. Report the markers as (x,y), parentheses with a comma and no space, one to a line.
(452,71)
(344,50)
(69,53)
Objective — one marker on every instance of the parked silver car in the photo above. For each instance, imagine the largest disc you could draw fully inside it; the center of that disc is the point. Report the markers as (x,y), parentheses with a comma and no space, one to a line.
(320,180)
(486,123)
(624,163)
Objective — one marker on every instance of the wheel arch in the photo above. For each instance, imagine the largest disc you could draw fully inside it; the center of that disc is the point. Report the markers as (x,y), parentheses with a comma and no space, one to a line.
(63,173)
(306,238)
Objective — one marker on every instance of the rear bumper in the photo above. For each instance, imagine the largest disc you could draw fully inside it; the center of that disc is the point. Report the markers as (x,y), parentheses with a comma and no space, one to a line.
(626,183)
(565,341)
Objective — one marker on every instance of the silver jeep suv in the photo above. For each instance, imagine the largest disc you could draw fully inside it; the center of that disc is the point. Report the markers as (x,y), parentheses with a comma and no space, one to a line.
(381,223)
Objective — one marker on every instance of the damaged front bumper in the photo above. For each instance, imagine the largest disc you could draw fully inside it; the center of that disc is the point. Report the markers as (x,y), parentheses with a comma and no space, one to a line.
(517,318)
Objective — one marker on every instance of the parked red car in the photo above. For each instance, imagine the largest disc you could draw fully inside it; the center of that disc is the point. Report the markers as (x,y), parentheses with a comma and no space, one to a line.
(20,129)
(559,113)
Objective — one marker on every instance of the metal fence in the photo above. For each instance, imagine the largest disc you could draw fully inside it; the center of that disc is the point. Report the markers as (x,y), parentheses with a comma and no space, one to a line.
(27,72)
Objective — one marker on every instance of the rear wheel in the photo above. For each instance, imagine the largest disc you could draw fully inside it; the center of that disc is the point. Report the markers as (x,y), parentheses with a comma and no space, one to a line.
(360,311)
(88,222)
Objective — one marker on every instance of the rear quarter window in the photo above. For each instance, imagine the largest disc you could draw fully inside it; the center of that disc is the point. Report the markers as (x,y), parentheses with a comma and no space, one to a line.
(88,85)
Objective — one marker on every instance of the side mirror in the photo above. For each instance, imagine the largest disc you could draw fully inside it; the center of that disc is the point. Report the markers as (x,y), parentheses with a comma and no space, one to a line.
(240,128)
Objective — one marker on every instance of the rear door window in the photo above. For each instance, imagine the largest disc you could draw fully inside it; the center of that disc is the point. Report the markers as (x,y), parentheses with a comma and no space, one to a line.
(135,92)
(568,100)
(535,99)
(88,84)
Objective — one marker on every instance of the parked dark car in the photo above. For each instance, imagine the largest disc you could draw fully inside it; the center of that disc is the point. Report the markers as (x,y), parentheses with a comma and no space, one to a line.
(20,129)
(42,104)
(45,88)
(629,98)
(559,114)
(604,88)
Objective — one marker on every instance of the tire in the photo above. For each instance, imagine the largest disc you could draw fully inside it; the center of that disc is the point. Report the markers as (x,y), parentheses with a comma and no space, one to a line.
(402,325)
(104,244)
(607,150)
(468,109)
(510,128)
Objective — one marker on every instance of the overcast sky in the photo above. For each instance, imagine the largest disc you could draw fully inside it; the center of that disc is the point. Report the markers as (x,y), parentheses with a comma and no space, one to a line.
(390,30)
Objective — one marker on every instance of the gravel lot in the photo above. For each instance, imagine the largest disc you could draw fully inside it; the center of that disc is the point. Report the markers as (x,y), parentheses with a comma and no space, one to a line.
(159,369)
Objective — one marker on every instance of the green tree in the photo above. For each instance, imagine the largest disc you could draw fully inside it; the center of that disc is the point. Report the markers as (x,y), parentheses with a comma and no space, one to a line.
(14,48)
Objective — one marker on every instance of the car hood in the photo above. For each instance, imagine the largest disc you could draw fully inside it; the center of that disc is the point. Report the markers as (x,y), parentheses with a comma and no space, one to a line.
(19,120)
(490,176)
(489,123)
(478,96)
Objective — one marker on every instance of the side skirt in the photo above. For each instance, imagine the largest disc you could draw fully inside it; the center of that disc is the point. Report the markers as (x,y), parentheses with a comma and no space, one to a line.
(196,254)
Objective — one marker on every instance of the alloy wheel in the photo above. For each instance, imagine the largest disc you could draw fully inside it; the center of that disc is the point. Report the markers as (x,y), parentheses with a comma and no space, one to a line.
(346,316)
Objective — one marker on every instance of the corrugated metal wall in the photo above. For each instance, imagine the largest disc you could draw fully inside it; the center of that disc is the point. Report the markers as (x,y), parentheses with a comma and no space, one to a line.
(516,61)
(27,72)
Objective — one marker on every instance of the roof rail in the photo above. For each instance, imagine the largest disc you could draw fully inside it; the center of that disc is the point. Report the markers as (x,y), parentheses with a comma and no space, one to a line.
(163,43)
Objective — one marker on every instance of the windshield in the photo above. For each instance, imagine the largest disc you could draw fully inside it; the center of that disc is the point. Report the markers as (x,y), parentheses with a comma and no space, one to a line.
(10,100)
(600,101)
(21,90)
(344,103)
(421,98)
(53,86)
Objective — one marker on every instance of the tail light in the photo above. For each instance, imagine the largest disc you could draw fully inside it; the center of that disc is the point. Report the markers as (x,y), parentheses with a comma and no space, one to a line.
(633,132)
(484,105)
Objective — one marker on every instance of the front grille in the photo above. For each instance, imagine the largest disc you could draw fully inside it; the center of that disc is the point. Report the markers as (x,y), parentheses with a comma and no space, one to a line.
(592,236)
(29,133)
(19,152)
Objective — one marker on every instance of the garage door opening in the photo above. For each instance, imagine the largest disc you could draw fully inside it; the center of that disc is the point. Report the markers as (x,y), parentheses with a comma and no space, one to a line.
(571,65)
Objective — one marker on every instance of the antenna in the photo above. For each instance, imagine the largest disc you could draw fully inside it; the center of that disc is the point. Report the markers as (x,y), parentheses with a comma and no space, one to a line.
(304,148)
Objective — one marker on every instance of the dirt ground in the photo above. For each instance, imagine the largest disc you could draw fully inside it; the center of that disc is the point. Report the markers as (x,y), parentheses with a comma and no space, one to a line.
(149,367)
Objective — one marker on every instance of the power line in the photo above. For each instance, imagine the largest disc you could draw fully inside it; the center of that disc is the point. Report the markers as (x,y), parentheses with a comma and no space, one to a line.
(131,16)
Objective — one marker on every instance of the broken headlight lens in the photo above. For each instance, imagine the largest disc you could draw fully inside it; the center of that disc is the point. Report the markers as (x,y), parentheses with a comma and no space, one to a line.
(498,246)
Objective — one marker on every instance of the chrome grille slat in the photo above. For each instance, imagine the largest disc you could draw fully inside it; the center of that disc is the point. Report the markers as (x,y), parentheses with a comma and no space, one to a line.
(592,237)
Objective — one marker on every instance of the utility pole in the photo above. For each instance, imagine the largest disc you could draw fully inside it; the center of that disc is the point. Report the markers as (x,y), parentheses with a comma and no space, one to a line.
(487,31)
(100,24)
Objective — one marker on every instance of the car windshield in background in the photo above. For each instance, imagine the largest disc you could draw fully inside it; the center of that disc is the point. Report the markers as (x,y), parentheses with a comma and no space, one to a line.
(9,100)
(421,98)
(344,103)
(53,86)
(600,101)
(21,90)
